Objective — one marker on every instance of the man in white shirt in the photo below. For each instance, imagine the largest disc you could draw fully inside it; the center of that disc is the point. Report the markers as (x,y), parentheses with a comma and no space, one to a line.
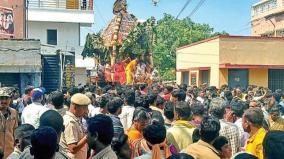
(126,115)
(201,96)
(238,109)
(102,109)
(32,112)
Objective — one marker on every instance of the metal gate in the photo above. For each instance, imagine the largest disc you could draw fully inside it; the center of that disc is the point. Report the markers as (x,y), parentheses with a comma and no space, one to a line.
(276,79)
(205,77)
(238,78)
(185,78)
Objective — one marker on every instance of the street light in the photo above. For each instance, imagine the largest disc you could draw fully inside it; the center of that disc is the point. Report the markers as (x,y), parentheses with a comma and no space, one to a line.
(155,2)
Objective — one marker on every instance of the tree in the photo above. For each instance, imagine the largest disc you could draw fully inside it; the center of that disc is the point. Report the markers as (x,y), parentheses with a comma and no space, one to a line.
(141,40)
(94,47)
(220,33)
(162,39)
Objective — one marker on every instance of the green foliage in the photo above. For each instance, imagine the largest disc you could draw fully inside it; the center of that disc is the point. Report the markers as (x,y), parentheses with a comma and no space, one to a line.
(94,47)
(168,75)
(161,39)
(219,33)
(88,47)
(140,40)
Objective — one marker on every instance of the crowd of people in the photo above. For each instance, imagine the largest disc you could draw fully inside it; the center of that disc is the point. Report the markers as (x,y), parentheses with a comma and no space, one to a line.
(158,121)
(127,71)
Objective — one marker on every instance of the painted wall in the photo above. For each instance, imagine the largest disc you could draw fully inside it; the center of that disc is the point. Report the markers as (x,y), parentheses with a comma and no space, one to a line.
(262,26)
(178,77)
(24,56)
(62,15)
(68,34)
(214,77)
(223,76)
(248,51)
(265,27)
(201,55)
(232,50)
(258,77)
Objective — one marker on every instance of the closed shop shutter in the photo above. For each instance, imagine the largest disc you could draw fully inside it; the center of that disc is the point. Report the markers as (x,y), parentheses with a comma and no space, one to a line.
(205,77)
(276,79)
(10,79)
(238,78)
(185,78)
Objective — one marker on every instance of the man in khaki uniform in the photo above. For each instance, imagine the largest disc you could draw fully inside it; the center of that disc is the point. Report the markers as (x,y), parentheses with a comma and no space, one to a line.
(73,139)
(8,122)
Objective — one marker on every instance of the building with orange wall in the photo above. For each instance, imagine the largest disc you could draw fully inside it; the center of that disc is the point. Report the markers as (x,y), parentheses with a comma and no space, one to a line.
(232,60)
(267,18)
(17,18)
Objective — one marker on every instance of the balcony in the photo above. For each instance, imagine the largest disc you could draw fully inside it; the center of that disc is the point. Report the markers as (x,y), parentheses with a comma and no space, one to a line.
(66,11)
(61,4)
(266,8)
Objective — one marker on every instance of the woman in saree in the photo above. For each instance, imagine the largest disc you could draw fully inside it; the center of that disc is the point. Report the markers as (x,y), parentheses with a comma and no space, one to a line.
(130,71)
(141,119)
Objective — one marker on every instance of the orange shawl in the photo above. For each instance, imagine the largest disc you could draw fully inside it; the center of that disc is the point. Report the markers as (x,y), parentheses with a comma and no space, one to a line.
(156,149)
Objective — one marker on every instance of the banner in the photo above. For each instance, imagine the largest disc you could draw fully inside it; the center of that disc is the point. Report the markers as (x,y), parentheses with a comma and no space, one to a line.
(69,76)
(6,21)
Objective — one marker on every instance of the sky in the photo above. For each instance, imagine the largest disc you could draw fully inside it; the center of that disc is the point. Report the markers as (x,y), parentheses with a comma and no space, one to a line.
(232,16)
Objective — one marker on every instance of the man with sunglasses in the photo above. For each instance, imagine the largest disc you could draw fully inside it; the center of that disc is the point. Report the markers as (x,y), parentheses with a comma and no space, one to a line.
(8,122)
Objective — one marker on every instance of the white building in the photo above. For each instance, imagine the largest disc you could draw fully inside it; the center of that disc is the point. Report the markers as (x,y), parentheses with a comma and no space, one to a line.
(82,66)
(58,23)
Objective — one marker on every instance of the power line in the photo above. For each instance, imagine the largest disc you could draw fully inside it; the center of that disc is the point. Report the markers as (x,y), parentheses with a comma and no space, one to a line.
(246,26)
(92,30)
(101,16)
(183,8)
(244,29)
(201,2)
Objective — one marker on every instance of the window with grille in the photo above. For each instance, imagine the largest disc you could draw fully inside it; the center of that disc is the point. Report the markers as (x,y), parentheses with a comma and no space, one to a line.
(276,79)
